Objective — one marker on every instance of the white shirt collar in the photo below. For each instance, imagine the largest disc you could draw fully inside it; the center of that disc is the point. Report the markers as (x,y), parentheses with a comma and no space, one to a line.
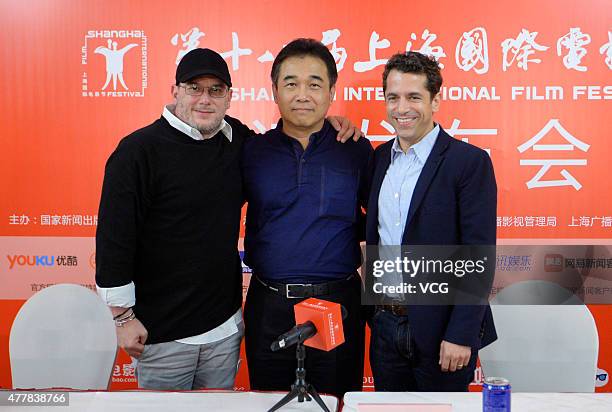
(422,149)
(192,132)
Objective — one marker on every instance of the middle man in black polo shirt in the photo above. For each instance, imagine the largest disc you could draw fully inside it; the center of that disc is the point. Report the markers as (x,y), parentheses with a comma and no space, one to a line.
(304,222)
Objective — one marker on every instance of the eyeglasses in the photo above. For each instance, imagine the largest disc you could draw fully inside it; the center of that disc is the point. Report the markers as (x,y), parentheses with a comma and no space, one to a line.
(215,92)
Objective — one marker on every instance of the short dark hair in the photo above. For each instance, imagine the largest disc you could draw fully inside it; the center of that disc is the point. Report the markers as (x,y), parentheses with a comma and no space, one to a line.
(417,63)
(306,47)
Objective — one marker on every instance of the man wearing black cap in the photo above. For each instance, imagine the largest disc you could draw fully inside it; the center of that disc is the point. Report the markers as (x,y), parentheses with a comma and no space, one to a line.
(168,225)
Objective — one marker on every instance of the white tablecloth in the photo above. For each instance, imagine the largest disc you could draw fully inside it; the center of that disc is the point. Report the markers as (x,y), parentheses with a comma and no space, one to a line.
(134,401)
(472,401)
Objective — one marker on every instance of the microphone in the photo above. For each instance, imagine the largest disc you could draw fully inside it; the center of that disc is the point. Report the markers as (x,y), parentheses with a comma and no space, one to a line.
(299,333)
(318,325)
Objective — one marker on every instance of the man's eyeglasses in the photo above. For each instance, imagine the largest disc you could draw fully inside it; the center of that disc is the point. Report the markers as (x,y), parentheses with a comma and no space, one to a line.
(213,91)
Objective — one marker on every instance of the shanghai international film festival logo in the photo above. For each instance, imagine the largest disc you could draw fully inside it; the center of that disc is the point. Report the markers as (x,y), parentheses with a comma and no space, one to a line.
(114,63)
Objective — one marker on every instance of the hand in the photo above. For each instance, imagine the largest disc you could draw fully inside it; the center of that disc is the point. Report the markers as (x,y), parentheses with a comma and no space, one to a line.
(132,337)
(453,357)
(345,128)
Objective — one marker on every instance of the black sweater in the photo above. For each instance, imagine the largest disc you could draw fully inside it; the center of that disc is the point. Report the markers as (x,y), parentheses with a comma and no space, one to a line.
(169,221)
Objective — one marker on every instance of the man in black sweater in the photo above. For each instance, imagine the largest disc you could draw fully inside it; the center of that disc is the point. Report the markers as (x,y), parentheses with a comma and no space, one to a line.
(166,245)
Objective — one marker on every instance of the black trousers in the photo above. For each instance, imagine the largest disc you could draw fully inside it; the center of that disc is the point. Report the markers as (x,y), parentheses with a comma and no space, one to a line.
(268,315)
(398,365)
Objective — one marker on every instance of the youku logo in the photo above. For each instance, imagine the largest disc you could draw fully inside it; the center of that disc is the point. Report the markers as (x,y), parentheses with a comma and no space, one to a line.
(105,72)
(44,260)
(28,260)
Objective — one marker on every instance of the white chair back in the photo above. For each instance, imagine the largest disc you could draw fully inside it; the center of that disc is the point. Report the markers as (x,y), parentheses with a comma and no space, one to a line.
(548,339)
(63,337)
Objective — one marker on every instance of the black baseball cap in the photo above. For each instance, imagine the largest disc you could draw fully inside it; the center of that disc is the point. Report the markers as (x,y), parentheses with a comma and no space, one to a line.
(199,62)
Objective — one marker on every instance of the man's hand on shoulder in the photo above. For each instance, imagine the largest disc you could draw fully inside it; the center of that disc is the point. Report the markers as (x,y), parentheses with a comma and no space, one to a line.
(346,129)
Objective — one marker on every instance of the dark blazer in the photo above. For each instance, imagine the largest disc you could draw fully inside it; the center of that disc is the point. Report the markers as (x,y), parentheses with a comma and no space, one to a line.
(454,203)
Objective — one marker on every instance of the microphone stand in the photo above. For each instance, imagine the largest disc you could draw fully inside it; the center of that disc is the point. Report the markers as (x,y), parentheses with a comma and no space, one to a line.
(300,389)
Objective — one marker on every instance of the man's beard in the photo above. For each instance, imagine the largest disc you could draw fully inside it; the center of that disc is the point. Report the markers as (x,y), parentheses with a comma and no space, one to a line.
(206,130)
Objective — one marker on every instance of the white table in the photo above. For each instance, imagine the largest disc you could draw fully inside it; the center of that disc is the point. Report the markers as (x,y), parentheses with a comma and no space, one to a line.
(200,401)
(472,401)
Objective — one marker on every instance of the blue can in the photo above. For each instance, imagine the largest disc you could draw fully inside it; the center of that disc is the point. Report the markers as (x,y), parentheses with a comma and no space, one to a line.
(496,395)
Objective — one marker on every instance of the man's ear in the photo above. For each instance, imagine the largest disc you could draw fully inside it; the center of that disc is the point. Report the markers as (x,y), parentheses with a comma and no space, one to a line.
(229,98)
(435,103)
(274,93)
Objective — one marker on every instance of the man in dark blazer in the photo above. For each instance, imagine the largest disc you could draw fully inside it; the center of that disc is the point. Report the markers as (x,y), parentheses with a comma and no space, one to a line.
(427,189)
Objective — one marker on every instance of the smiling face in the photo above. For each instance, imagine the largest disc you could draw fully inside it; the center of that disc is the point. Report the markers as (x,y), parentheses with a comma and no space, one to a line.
(203,112)
(303,95)
(410,107)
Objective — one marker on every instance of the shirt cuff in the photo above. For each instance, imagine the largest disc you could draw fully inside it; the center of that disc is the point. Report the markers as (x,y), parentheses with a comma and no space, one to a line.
(120,296)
